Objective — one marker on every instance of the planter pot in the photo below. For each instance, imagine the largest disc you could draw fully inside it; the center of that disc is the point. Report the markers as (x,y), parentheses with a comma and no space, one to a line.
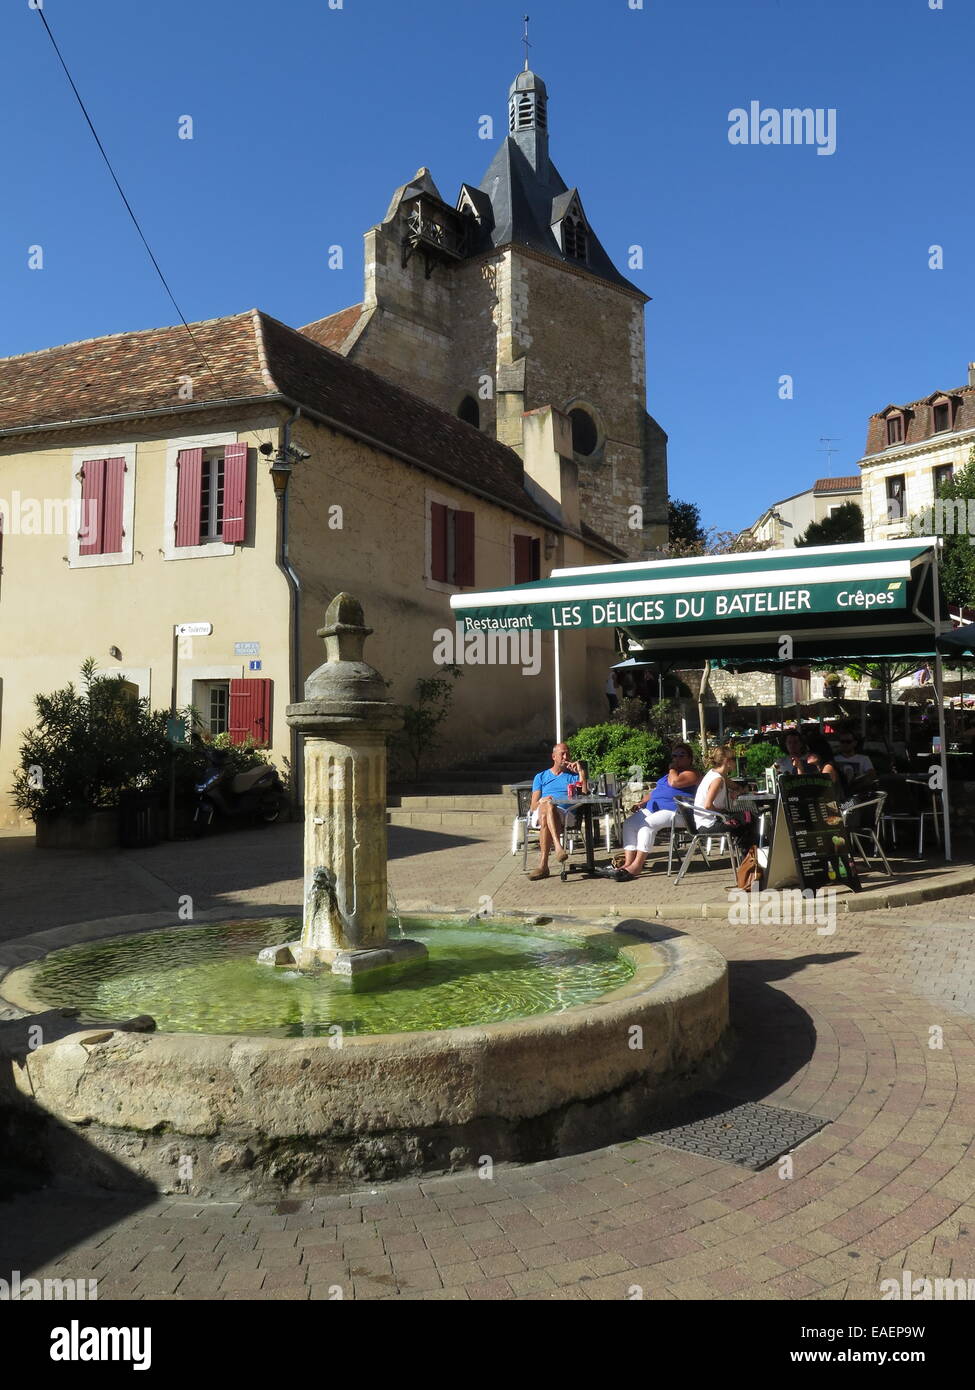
(96,830)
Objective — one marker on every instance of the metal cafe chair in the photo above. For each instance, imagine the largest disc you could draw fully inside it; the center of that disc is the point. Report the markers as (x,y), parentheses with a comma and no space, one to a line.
(524,834)
(863,821)
(699,837)
(521,826)
(612,818)
(909,806)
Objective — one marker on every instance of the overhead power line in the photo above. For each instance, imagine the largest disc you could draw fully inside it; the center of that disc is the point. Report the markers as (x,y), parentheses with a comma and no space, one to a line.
(128,205)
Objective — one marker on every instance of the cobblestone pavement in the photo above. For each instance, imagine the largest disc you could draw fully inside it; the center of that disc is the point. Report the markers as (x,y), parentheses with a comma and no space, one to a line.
(871,1028)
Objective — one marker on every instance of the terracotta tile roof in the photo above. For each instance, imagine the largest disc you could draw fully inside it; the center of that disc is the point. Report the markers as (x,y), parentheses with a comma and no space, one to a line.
(332,331)
(131,372)
(253,356)
(837,484)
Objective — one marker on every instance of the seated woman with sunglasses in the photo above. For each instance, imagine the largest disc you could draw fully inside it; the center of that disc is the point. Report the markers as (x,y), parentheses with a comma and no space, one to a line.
(655,812)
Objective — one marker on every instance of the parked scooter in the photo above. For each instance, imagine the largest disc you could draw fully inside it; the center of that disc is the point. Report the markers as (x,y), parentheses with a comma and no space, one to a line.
(257,793)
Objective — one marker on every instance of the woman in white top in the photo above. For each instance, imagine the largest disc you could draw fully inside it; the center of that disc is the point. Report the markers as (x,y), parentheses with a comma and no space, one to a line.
(715,789)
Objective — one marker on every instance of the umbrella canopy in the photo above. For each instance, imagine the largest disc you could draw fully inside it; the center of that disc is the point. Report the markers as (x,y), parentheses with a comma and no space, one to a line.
(959,639)
(851,600)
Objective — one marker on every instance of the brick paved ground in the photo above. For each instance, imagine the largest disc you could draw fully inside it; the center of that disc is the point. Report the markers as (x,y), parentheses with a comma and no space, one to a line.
(838,1026)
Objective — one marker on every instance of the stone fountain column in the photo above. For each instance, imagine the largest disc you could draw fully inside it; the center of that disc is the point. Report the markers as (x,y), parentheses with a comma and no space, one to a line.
(345,718)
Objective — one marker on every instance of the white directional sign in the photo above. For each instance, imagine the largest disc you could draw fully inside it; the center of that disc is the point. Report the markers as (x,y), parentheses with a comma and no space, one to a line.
(194,629)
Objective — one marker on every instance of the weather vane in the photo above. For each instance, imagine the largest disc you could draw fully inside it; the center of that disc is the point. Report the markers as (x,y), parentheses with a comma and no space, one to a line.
(525,40)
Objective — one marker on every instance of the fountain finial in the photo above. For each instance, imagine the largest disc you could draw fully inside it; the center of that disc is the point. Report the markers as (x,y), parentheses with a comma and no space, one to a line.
(345,631)
(343,677)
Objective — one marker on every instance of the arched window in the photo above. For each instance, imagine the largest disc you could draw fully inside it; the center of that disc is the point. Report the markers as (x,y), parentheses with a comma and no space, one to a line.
(470,411)
(584,433)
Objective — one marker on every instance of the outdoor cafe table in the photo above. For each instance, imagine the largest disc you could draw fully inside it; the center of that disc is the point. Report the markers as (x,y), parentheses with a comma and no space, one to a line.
(585,804)
(762,802)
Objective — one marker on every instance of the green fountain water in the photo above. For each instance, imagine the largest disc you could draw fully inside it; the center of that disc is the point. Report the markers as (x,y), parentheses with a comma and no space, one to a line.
(207,980)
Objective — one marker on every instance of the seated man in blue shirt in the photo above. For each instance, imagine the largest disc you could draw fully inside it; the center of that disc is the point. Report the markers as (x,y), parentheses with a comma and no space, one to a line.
(551,805)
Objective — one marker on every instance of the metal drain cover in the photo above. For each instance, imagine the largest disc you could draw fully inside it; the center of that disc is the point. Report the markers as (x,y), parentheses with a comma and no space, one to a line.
(743,1132)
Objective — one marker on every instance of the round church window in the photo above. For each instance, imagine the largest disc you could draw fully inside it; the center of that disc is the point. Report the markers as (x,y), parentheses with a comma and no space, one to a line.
(584,434)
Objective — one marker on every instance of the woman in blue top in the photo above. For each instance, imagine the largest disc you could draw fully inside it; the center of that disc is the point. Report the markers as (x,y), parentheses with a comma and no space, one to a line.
(655,813)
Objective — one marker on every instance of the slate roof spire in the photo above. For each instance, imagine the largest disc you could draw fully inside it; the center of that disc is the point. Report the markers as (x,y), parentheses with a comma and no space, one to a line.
(528,119)
(523,200)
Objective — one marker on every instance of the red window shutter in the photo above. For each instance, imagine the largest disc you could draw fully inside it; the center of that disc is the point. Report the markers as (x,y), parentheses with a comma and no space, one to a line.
(234,493)
(188,495)
(114,496)
(438,542)
(523,559)
(464,548)
(536,559)
(92,506)
(249,715)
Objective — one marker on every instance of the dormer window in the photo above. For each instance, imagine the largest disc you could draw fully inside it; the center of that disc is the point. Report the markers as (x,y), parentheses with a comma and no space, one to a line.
(895,428)
(942,413)
(575,241)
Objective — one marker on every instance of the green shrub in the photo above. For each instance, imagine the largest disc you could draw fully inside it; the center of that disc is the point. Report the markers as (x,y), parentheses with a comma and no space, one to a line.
(616,749)
(759,756)
(631,712)
(88,746)
(92,744)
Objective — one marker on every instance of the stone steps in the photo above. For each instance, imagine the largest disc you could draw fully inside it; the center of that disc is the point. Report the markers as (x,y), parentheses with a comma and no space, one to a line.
(488,822)
(452,803)
(471,796)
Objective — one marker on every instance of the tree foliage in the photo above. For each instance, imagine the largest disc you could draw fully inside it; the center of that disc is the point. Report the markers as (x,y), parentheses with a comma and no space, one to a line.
(844,527)
(958,562)
(684,523)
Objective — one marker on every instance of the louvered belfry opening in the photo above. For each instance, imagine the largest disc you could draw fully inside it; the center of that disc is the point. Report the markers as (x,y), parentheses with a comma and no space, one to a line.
(527,111)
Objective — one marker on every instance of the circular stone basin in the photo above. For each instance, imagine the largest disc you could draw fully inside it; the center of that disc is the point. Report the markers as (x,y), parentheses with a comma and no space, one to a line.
(207,980)
(520,1040)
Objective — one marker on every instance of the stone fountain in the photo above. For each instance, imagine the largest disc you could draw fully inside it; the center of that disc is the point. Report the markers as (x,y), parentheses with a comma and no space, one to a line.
(238,1110)
(346,719)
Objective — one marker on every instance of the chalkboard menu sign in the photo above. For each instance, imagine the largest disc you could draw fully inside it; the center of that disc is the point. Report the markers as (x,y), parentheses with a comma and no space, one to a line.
(819,840)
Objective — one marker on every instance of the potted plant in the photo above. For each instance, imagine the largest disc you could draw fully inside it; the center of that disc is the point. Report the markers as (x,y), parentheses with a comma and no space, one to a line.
(833,686)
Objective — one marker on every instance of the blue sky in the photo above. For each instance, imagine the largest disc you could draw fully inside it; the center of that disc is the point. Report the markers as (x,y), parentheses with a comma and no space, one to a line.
(761,260)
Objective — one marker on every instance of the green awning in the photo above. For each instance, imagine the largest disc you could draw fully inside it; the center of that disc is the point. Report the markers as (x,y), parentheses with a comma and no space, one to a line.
(861,597)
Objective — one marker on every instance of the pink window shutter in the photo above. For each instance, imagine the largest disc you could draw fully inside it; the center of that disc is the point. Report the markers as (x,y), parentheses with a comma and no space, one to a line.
(188,496)
(250,711)
(112,505)
(234,493)
(438,542)
(240,713)
(464,549)
(261,715)
(92,506)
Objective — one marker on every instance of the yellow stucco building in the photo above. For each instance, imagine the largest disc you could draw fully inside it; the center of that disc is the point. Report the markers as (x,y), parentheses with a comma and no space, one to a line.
(138,490)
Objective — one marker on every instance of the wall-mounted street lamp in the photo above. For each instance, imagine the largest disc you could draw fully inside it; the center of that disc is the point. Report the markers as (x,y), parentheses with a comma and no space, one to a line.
(282,463)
